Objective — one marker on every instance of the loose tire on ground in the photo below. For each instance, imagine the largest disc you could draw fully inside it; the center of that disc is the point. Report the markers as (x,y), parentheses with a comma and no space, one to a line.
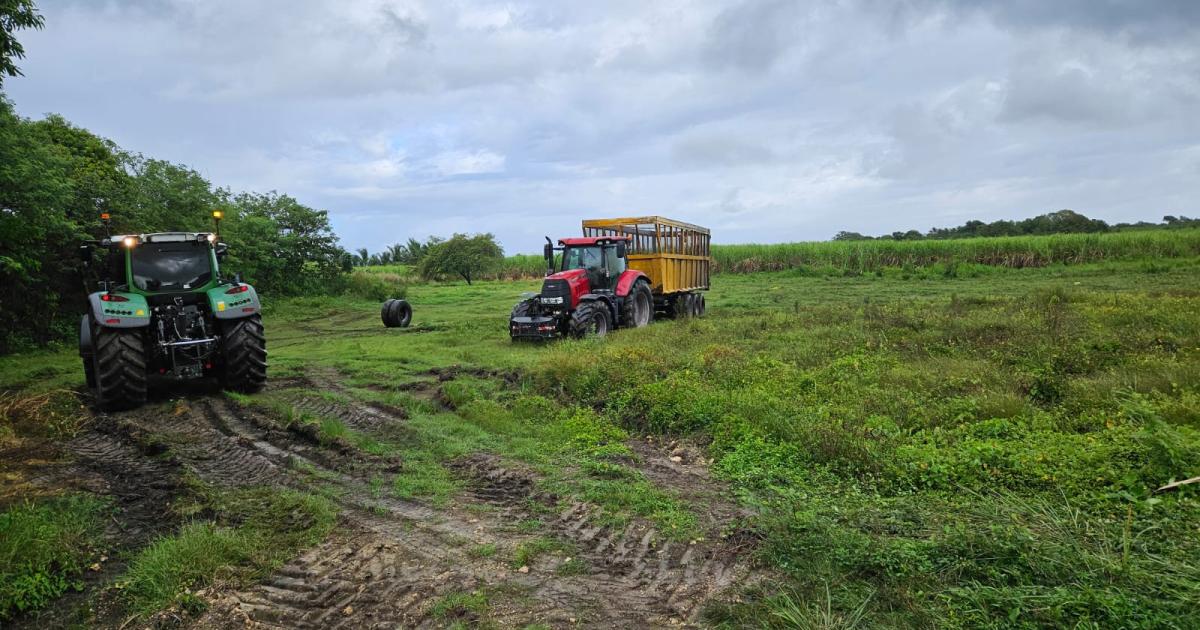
(638,308)
(591,319)
(396,314)
(119,368)
(243,354)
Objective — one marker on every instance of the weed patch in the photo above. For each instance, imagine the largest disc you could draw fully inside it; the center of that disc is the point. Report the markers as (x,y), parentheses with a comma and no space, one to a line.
(44,548)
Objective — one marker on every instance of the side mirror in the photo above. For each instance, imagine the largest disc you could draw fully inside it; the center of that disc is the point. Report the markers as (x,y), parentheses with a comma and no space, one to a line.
(548,251)
(85,255)
(221,249)
(237,278)
(621,250)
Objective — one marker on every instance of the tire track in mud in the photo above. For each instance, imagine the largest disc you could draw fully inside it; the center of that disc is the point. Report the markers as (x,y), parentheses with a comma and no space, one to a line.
(638,566)
(391,561)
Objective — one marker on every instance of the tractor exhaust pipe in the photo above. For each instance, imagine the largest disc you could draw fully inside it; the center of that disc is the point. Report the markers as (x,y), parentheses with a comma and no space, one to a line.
(548,254)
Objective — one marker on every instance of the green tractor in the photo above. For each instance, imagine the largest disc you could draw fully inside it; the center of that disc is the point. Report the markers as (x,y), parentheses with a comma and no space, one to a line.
(164,309)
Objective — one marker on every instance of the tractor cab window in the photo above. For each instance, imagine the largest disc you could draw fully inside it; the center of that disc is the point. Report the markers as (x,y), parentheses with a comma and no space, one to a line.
(615,264)
(588,258)
(170,266)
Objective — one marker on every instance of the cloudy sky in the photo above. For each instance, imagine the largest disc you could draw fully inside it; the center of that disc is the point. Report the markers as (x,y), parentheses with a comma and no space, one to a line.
(764,120)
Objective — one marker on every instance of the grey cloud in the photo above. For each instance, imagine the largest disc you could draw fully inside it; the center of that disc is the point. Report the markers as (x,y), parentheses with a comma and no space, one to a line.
(766,120)
(754,34)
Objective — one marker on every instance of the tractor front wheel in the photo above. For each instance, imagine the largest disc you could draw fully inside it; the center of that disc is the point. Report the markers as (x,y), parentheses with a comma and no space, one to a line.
(119,368)
(638,308)
(591,319)
(243,354)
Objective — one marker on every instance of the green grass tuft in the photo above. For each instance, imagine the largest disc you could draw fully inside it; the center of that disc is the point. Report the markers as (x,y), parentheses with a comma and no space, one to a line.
(44,548)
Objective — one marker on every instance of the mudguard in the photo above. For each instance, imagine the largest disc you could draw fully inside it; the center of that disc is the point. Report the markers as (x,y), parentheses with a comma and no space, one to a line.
(607,300)
(233,301)
(626,280)
(132,312)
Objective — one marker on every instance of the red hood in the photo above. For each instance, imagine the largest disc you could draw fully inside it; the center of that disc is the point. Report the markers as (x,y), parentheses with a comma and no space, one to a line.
(576,280)
(568,275)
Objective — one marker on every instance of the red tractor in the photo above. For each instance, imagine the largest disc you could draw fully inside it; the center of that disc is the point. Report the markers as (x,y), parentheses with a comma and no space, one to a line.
(617,276)
(591,293)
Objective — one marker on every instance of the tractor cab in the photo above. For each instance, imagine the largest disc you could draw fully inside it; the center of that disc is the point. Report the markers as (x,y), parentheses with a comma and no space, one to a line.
(601,259)
(167,262)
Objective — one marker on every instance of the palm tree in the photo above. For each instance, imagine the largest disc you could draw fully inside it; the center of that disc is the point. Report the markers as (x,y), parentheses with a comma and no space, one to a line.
(364,257)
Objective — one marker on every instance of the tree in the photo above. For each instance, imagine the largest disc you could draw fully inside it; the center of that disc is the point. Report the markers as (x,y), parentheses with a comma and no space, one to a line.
(462,255)
(850,236)
(15,15)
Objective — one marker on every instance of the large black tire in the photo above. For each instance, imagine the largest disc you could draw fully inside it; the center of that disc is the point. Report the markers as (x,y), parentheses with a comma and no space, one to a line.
(86,351)
(522,308)
(695,297)
(703,304)
(638,308)
(119,368)
(683,305)
(591,319)
(243,354)
(396,314)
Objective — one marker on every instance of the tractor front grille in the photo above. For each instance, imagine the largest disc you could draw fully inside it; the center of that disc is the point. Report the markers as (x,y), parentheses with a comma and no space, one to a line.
(555,288)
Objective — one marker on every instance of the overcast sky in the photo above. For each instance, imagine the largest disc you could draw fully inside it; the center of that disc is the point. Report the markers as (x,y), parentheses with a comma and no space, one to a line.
(766,121)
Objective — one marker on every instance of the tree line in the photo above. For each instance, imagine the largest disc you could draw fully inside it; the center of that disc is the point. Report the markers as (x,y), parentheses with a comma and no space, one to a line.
(1060,222)
(55,181)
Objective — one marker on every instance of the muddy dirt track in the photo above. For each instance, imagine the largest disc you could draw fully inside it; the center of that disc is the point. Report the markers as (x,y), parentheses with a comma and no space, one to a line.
(389,561)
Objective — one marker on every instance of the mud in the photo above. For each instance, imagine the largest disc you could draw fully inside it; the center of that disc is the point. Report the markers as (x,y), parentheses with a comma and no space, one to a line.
(392,563)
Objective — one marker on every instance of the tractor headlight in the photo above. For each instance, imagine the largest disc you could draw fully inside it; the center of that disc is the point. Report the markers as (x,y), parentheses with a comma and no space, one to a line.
(552,300)
(129,241)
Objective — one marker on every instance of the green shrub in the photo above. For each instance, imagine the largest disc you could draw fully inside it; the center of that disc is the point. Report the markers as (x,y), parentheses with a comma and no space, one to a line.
(375,287)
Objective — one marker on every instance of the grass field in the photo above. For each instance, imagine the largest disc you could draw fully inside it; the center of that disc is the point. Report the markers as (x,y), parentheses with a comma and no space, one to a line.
(915,447)
(950,257)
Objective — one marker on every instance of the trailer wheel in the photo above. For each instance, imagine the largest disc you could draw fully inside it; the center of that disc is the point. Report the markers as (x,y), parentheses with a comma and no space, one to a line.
(683,305)
(697,309)
(638,308)
(396,314)
(591,319)
(703,305)
(119,368)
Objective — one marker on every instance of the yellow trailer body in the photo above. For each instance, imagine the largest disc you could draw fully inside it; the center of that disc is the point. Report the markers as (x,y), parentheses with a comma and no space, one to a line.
(675,255)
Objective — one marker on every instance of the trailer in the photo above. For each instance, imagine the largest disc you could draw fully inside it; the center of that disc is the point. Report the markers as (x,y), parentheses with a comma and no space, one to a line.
(620,274)
(675,256)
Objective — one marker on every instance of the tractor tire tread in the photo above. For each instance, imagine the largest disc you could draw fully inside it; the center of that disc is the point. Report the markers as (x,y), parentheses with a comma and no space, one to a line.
(119,368)
(244,355)
(583,315)
(629,315)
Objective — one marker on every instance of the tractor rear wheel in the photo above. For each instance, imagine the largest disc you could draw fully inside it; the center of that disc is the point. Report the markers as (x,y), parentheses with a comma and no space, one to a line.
(396,314)
(591,319)
(638,308)
(119,368)
(243,354)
